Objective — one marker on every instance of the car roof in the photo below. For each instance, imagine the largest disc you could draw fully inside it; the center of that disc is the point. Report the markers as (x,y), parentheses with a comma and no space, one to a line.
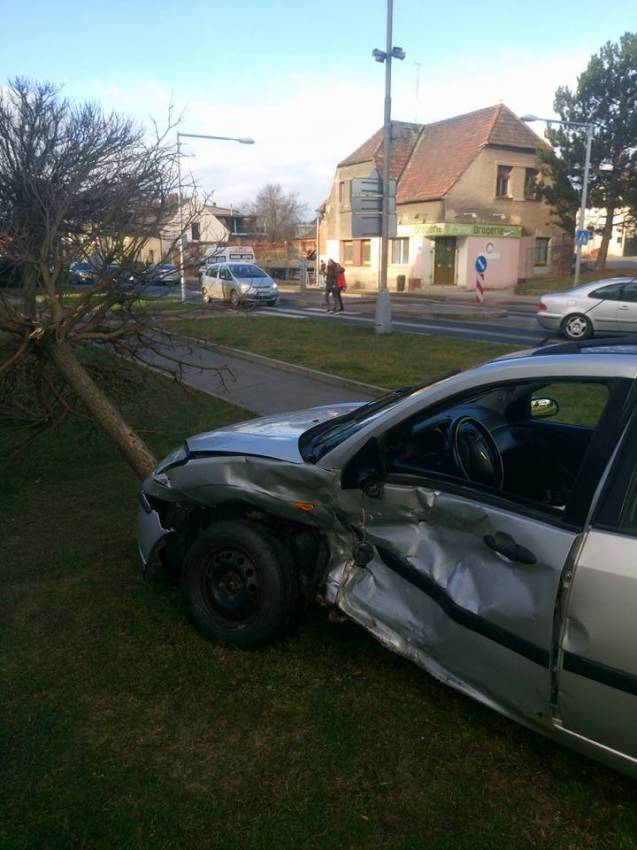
(585,288)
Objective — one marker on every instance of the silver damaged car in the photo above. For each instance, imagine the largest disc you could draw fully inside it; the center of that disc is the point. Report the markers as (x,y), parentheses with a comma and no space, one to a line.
(484,526)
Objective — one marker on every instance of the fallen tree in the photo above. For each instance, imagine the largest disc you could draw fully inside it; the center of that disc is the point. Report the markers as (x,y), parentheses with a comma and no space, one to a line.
(76,184)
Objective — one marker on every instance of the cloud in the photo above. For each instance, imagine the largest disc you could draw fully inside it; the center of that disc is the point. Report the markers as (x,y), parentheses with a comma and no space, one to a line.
(303,127)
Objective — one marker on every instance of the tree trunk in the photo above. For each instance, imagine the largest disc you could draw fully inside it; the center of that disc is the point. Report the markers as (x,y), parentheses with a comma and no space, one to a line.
(29,280)
(607,233)
(133,448)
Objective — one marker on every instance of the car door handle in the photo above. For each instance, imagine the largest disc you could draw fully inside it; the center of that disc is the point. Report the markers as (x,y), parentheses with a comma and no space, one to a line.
(505,545)
(623,307)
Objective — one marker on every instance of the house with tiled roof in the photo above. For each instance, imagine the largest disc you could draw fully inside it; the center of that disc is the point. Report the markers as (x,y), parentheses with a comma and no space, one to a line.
(465,187)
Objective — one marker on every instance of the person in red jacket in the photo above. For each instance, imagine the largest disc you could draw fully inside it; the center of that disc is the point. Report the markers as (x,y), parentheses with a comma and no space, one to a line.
(341,284)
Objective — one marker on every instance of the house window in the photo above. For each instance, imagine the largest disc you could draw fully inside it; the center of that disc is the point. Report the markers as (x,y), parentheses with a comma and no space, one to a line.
(366,252)
(541,251)
(530,183)
(341,191)
(502,183)
(195,231)
(399,252)
(348,253)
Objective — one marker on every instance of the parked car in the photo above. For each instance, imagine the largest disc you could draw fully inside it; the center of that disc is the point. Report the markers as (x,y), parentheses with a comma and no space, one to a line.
(161,273)
(602,306)
(81,271)
(484,526)
(237,283)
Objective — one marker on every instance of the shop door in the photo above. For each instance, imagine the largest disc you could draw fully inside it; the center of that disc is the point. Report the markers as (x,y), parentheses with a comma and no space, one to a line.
(445,261)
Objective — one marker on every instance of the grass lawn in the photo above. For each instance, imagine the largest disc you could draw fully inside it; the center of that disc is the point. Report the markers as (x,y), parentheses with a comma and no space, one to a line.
(121,728)
(539,286)
(387,361)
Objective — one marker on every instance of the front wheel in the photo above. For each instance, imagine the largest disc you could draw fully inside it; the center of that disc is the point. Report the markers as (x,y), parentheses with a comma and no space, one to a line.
(577,327)
(239,584)
(234,299)
(205,297)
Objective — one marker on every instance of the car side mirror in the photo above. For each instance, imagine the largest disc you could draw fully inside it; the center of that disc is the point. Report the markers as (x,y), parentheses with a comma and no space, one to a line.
(371,484)
(365,470)
(543,408)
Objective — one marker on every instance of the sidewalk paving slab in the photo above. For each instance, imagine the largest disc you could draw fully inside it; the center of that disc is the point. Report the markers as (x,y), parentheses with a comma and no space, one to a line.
(258,386)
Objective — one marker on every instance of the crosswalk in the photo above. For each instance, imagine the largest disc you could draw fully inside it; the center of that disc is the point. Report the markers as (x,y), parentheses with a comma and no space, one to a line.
(515,336)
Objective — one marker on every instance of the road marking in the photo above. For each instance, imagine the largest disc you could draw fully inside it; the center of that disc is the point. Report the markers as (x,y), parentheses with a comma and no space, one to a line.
(514,335)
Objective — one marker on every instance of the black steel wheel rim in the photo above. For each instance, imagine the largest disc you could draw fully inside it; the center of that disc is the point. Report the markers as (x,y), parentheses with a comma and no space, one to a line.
(231,586)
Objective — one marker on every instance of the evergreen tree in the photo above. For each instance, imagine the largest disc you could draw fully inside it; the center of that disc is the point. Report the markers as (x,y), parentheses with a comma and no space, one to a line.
(606,95)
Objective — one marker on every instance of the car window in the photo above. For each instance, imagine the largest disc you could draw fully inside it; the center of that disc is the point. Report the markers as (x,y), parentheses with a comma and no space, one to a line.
(246,270)
(613,292)
(491,439)
(630,292)
(224,274)
(211,271)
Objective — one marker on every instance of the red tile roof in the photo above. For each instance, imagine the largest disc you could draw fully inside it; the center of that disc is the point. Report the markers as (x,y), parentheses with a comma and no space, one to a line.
(427,159)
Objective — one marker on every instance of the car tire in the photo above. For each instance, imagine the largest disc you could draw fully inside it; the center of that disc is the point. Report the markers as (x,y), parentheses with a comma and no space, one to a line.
(205,297)
(577,326)
(240,585)
(271,302)
(235,301)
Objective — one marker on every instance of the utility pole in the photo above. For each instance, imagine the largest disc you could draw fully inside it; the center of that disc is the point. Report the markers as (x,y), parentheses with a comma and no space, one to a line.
(582,209)
(182,235)
(383,301)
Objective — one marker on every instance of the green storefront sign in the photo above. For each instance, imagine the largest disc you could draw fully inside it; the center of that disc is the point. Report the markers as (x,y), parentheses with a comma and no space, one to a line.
(452,228)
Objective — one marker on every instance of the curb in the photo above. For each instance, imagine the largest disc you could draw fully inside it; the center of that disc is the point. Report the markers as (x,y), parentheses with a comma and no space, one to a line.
(281,365)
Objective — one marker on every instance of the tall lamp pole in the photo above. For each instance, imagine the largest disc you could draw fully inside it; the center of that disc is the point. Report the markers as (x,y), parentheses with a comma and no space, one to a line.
(588,127)
(180,136)
(383,300)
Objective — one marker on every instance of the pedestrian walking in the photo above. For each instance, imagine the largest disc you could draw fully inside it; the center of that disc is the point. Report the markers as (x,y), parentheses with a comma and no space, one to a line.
(341,285)
(330,285)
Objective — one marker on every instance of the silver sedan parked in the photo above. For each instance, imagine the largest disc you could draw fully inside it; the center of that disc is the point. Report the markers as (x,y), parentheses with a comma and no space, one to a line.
(600,307)
(484,526)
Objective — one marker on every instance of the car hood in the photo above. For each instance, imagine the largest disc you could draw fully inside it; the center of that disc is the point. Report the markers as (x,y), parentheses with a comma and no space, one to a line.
(269,436)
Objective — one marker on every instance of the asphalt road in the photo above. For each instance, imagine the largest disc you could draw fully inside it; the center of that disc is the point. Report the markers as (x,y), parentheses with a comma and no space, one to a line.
(519,326)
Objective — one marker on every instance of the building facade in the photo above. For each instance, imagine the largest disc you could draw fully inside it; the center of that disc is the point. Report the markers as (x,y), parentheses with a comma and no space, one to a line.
(465,187)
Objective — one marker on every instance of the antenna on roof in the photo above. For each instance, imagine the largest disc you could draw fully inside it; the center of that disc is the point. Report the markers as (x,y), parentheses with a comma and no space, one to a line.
(418,67)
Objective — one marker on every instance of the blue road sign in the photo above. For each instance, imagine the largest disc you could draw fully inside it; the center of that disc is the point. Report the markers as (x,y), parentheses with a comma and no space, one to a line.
(582,237)
(481,264)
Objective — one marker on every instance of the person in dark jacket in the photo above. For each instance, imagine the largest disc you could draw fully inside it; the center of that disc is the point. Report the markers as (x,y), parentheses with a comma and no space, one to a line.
(330,286)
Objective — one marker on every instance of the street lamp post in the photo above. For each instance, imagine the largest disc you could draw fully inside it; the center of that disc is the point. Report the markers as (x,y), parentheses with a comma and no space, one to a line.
(383,300)
(588,126)
(180,136)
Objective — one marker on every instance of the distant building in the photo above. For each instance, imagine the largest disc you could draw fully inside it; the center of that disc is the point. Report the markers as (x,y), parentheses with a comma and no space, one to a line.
(623,241)
(465,187)
(207,225)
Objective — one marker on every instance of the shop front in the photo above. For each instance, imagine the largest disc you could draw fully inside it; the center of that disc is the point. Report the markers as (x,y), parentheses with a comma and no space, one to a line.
(454,248)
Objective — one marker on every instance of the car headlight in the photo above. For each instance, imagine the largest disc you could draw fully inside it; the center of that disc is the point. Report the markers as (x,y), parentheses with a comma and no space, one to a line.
(274,286)
(245,287)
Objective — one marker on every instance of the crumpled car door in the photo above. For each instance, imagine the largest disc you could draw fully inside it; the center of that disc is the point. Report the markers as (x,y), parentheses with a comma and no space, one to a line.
(440,591)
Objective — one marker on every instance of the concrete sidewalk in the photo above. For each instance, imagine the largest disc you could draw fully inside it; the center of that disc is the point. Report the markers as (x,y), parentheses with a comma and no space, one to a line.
(257,384)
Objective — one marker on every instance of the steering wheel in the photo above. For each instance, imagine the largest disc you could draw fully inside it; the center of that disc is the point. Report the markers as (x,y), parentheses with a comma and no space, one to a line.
(475,453)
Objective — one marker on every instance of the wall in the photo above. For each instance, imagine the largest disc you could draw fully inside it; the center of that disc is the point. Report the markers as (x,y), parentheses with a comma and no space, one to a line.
(502,257)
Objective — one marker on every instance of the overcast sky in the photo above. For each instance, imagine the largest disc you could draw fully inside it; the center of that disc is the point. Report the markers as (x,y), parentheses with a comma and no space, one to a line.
(298,77)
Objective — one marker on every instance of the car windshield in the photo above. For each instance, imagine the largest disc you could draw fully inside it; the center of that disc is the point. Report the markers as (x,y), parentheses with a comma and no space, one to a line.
(321,439)
(83,267)
(167,267)
(246,270)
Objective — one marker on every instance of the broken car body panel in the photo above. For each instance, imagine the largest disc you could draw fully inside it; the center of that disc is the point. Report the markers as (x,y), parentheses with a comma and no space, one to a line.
(523,634)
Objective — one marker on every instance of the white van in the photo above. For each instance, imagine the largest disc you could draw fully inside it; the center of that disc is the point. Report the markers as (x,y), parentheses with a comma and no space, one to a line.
(226,254)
